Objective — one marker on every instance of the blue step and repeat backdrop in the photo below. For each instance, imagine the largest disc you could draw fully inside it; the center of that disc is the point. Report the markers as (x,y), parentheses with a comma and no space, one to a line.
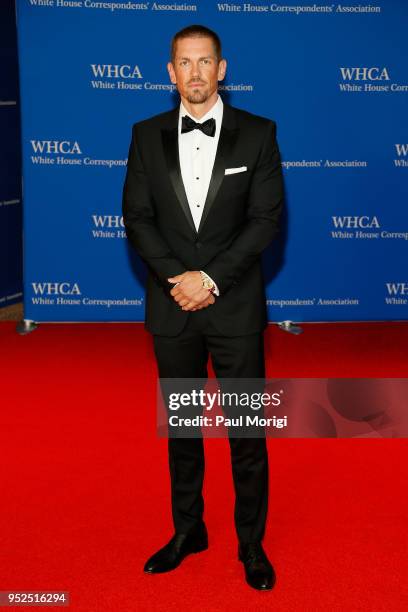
(333,76)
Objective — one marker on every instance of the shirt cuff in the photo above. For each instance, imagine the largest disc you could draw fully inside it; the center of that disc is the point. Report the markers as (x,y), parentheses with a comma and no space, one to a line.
(216,291)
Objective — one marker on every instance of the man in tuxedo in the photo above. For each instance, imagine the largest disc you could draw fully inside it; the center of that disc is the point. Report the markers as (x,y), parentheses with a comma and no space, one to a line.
(202,199)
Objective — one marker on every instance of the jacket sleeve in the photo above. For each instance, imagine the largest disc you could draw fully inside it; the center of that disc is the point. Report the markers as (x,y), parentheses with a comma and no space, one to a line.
(265,203)
(139,220)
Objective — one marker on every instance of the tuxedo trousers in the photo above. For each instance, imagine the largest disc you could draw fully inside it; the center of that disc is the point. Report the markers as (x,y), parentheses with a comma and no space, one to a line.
(242,356)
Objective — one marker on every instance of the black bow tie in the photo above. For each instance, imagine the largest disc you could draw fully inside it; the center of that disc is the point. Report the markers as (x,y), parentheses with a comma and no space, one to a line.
(188,124)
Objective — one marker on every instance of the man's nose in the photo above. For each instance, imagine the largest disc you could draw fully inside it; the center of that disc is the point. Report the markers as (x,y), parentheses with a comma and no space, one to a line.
(195,70)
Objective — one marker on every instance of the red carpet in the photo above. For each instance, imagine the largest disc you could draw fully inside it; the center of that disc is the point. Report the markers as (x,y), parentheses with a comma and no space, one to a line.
(85,492)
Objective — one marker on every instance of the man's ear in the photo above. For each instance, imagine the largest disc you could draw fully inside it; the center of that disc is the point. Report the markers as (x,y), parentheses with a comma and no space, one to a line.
(222,69)
(172,74)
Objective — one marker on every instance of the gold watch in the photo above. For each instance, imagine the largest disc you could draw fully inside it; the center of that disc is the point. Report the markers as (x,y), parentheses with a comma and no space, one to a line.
(207,283)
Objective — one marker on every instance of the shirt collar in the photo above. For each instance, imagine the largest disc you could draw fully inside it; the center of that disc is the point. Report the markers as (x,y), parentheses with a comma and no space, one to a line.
(215,112)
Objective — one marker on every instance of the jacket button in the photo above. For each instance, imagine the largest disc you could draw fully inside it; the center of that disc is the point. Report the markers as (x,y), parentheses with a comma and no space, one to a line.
(198,244)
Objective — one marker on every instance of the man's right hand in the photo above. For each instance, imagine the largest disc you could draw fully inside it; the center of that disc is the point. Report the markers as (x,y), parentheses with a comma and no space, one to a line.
(189,299)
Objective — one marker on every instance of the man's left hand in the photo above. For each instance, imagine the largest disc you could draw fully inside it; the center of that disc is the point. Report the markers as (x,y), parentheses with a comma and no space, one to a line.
(189,292)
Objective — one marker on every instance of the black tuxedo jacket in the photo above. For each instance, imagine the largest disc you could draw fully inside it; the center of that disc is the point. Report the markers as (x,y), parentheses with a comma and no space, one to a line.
(240,218)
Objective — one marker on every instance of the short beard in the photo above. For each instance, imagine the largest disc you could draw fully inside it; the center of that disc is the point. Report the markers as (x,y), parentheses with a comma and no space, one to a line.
(198,97)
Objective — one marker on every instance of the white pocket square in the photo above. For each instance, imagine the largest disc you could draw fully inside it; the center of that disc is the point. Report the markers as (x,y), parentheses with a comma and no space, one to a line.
(235,170)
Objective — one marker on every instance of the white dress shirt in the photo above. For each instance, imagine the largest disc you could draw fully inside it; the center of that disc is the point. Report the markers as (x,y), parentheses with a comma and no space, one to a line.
(197,153)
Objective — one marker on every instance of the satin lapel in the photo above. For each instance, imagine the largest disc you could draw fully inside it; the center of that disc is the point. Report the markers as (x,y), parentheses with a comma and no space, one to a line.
(171,152)
(228,137)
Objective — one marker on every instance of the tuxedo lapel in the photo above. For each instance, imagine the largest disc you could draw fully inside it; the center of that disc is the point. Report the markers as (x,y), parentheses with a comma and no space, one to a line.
(171,153)
(228,136)
(226,141)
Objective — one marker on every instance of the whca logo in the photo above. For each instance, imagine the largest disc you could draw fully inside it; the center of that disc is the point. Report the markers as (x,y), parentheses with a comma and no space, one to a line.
(108,221)
(397,288)
(402,150)
(65,147)
(355,222)
(63,288)
(116,71)
(364,74)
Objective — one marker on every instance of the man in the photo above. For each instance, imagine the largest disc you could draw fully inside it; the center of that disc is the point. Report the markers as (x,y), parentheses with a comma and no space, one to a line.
(201,201)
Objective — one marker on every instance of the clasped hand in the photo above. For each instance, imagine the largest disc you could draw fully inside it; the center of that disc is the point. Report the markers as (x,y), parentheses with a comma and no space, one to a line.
(189,293)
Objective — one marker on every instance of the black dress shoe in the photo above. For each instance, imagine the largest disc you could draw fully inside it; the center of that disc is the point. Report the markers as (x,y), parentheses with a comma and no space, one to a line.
(181,544)
(259,572)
